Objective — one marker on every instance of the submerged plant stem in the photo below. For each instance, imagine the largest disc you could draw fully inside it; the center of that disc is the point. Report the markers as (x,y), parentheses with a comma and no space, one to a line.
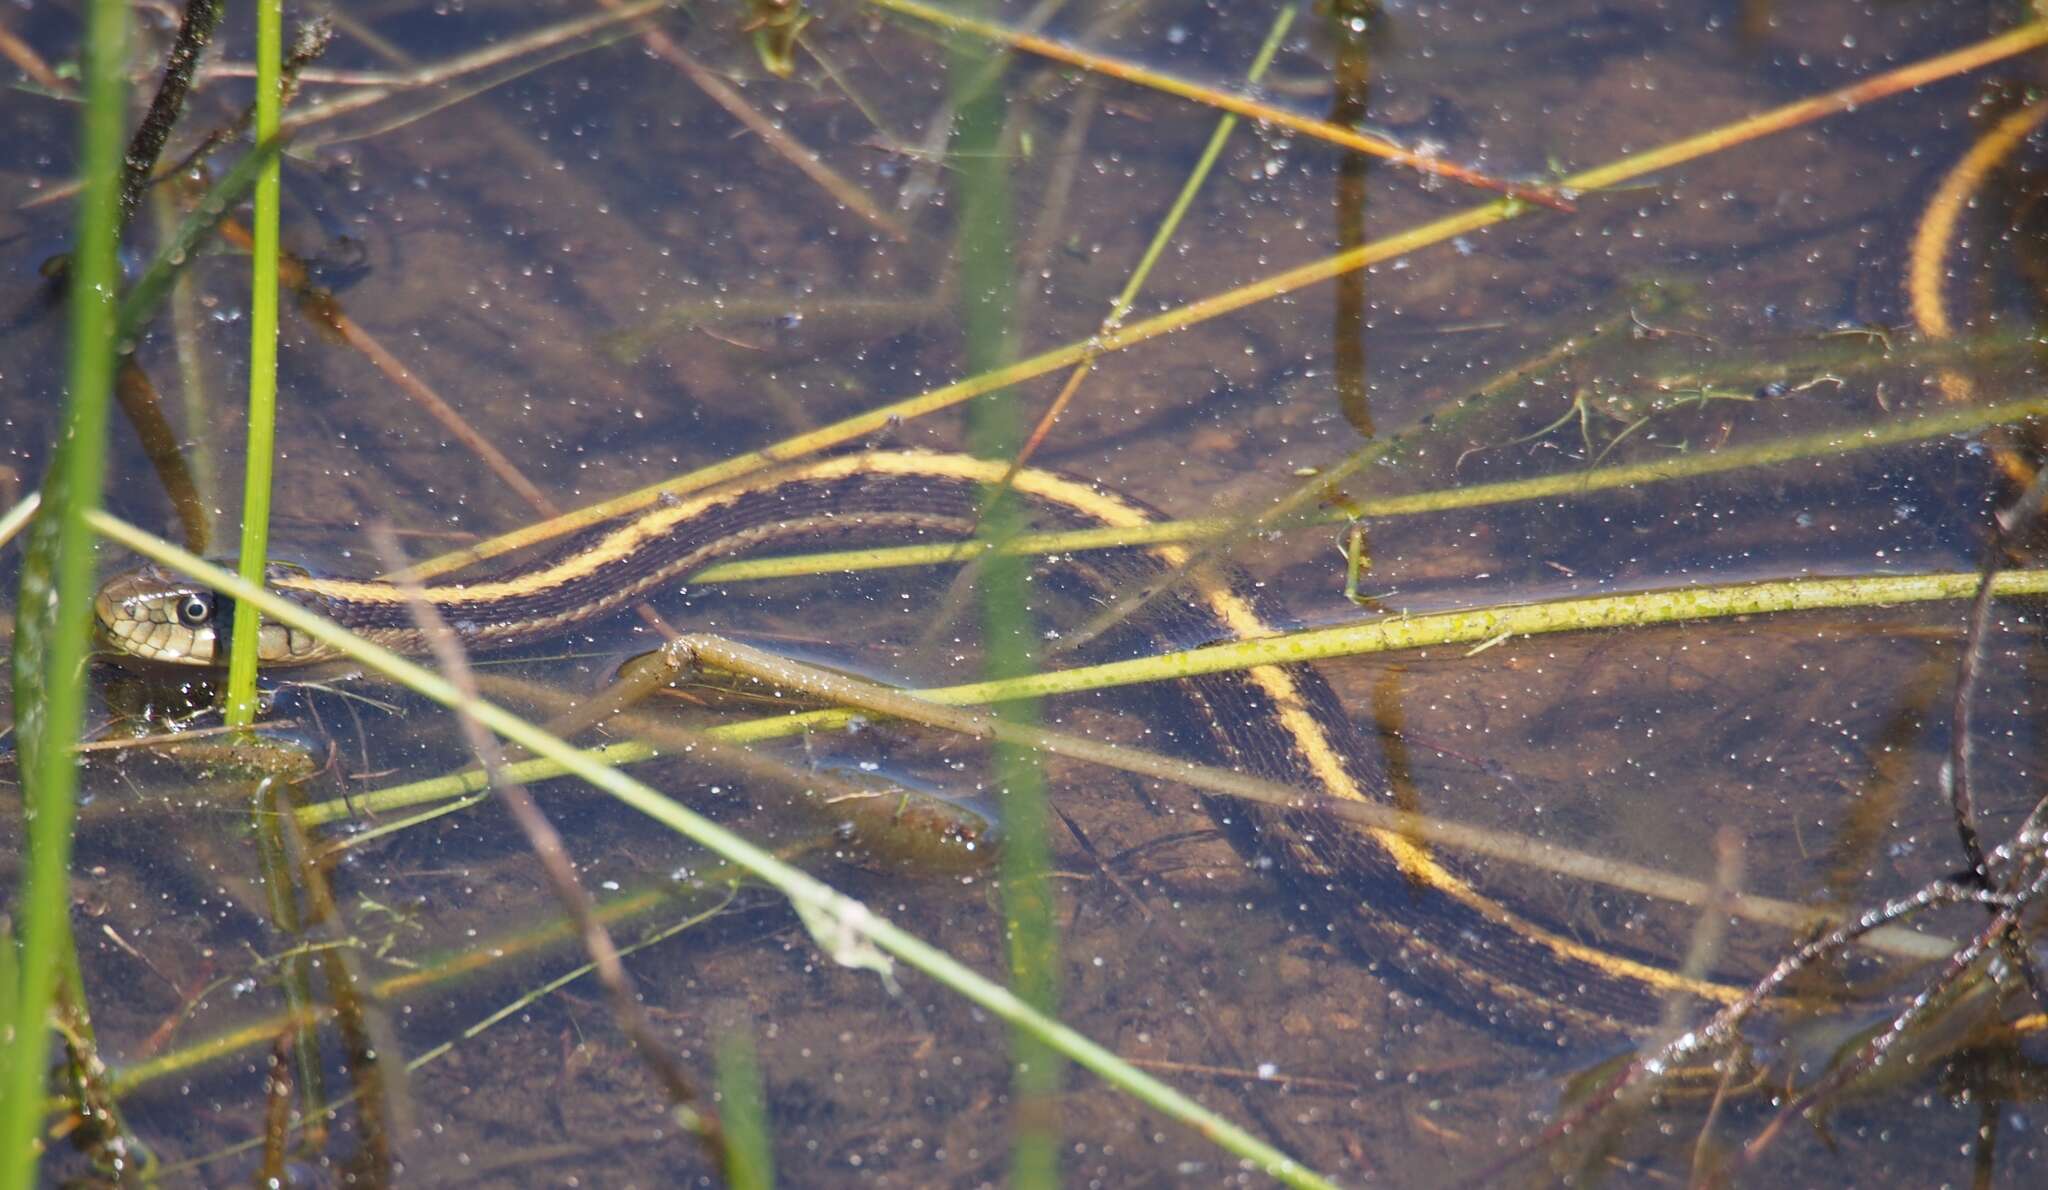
(1563,484)
(194,32)
(934,708)
(432,973)
(1486,624)
(988,296)
(1161,237)
(822,906)
(1287,281)
(1222,100)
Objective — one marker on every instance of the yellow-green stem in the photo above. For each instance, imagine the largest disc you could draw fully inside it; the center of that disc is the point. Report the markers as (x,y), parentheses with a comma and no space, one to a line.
(263,286)
(1897,431)
(1474,626)
(749,1164)
(56,596)
(821,905)
(18,517)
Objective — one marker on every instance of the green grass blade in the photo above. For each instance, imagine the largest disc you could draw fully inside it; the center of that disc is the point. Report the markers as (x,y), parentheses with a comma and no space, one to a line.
(55,606)
(849,919)
(263,286)
(1472,626)
(1198,176)
(749,1164)
(988,297)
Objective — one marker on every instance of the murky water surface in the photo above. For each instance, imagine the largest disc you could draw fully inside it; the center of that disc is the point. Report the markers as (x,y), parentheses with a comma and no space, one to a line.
(614,281)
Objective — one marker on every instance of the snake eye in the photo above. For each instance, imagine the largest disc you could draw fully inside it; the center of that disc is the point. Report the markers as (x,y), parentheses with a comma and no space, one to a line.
(195,609)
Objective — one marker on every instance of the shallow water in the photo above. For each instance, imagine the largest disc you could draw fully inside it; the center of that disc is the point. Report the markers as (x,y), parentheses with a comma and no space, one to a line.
(615,283)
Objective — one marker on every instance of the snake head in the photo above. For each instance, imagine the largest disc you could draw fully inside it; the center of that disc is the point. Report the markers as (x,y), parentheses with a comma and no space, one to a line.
(152,614)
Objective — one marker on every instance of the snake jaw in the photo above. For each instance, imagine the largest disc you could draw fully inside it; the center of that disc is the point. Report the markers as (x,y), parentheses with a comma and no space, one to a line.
(137,614)
(156,615)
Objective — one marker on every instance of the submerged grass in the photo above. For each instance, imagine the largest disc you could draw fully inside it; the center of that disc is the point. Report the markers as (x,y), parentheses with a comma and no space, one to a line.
(1478,626)
(1481,626)
(52,639)
(1615,173)
(1279,117)
(703,899)
(937,708)
(988,306)
(845,928)
(1820,444)
(749,1160)
(1120,307)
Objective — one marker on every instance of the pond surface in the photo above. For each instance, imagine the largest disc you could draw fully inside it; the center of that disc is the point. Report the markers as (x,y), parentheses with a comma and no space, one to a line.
(608,281)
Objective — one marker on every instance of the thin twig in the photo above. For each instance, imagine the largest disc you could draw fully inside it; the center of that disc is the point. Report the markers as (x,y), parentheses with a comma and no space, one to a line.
(30,63)
(499,53)
(15,518)
(1873,1051)
(806,160)
(307,48)
(1225,101)
(194,32)
(451,419)
(543,43)
(547,846)
(1161,237)
(849,931)
(165,739)
(1724,1025)
(1960,783)
(1959,789)
(314,76)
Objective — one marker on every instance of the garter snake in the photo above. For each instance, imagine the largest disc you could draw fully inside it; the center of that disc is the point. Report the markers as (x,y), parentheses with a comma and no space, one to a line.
(1413,913)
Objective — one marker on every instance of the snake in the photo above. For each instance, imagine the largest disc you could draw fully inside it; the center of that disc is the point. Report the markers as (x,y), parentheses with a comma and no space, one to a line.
(1411,914)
